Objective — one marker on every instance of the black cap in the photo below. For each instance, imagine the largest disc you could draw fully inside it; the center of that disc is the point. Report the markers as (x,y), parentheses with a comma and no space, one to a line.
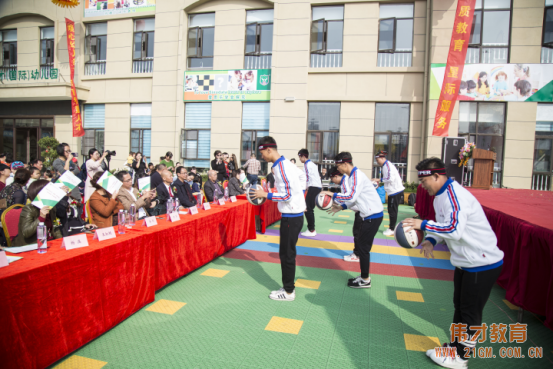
(3,167)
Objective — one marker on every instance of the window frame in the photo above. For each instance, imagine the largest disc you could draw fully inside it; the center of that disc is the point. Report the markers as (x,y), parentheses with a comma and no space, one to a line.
(394,51)
(13,44)
(264,164)
(49,41)
(88,46)
(144,42)
(258,31)
(184,132)
(324,50)
(140,140)
(308,131)
(99,148)
(543,44)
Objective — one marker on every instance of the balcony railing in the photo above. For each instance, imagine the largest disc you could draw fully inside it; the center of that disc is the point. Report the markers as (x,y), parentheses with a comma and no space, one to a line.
(143,66)
(496,181)
(326,60)
(95,69)
(401,168)
(5,71)
(541,181)
(490,55)
(45,71)
(546,55)
(258,62)
(395,59)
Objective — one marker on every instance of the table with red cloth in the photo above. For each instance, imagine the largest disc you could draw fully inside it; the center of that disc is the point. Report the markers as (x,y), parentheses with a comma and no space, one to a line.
(267,212)
(51,304)
(523,223)
(424,204)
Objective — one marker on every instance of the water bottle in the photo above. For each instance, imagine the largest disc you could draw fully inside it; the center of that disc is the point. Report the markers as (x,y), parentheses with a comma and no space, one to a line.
(226,194)
(200,199)
(176,205)
(132,215)
(169,206)
(41,238)
(121,222)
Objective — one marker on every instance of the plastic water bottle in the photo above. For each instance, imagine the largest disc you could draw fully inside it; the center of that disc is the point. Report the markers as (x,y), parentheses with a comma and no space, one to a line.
(176,204)
(200,199)
(169,206)
(122,217)
(226,194)
(132,215)
(41,238)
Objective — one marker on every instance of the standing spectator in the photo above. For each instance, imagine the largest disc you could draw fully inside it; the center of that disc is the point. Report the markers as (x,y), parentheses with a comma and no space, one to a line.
(213,190)
(253,167)
(35,175)
(197,178)
(93,166)
(218,165)
(13,193)
(48,175)
(226,161)
(15,166)
(233,164)
(155,178)
(3,159)
(130,158)
(168,161)
(5,173)
(234,185)
(324,174)
(36,164)
(151,168)
(271,180)
(64,162)
(139,165)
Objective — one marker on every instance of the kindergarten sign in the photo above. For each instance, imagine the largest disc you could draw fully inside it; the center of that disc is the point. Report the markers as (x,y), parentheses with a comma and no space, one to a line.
(228,85)
(95,8)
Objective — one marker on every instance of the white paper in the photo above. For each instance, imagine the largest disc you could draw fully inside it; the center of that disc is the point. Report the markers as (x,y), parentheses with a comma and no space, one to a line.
(109,182)
(50,195)
(183,212)
(142,213)
(11,259)
(144,183)
(69,180)
(19,249)
(233,199)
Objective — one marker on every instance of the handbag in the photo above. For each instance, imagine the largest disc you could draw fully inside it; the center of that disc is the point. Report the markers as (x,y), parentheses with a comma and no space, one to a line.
(74,224)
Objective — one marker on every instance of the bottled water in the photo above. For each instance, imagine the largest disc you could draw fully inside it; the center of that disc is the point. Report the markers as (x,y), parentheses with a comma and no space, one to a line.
(41,238)
(176,204)
(169,206)
(132,215)
(226,194)
(122,217)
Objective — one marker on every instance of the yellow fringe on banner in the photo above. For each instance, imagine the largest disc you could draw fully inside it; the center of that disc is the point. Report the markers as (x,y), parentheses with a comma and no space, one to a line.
(66,3)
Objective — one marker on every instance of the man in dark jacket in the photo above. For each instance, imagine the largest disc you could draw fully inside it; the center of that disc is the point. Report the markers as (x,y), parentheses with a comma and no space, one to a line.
(212,189)
(155,179)
(165,190)
(182,189)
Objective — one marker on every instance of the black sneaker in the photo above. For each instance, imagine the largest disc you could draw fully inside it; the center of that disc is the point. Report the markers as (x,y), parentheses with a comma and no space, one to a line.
(359,283)
(353,279)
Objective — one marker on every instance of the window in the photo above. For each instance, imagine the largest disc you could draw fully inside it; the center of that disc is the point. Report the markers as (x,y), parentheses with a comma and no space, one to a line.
(143,50)
(196,135)
(201,40)
(46,50)
(8,46)
(395,35)
(95,49)
(141,124)
(483,124)
(259,39)
(547,37)
(323,131)
(490,33)
(391,134)
(94,122)
(255,125)
(542,172)
(327,36)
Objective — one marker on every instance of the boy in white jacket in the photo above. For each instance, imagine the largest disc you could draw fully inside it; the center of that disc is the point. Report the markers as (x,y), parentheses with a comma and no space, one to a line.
(393,184)
(362,196)
(291,203)
(463,226)
(314,187)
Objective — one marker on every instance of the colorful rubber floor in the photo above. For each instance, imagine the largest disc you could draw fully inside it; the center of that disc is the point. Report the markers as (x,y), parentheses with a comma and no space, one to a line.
(220,316)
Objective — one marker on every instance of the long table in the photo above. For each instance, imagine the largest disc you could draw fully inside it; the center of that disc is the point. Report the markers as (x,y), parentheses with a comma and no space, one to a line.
(267,212)
(51,304)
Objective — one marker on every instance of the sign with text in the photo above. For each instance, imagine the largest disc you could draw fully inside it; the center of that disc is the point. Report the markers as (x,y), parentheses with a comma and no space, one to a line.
(74,242)
(149,222)
(233,199)
(78,130)
(104,234)
(30,75)
(228,85)
(207,206)
(3,259)
(174,217)
(193,210)
(221,202)
(96,8)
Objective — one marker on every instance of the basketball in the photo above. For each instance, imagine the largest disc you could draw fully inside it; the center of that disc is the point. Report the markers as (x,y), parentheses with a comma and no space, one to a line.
(410,239)
(324,202)
(251,200)
(375,184)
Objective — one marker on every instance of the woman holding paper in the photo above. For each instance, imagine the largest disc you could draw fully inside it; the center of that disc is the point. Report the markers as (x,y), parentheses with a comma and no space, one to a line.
(93,166)
(104,206)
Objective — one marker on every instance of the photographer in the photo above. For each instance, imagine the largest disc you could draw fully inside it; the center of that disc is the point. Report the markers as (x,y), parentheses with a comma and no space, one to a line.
(95,164)
(65,162)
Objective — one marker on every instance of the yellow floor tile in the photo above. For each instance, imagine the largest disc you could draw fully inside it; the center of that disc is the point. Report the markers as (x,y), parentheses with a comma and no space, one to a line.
(284,325)
(511,306)
(335,231)
(219,273)
(340,222)
(80,362)
(409,296)
(277,226)
(305,283)
(414,342)
(166,307)
(343,216)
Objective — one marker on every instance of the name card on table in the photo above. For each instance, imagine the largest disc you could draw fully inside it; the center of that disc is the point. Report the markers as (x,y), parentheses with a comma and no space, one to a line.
(207,206)
(193,210)
(76,241)
(104,234)
(174,217)
(3,259)
(233,199)
(149,222)
(221,202)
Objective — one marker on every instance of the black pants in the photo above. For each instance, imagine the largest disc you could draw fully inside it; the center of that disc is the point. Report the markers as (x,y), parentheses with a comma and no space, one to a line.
(393,204)
(290,229)
(310,197)
(364,243)
(356,227)
(471,292)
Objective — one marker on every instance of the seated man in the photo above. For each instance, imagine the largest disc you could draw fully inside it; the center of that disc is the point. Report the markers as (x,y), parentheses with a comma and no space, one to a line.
(164,190)
(213,190)
(182,189)
(155,179)
(129,195)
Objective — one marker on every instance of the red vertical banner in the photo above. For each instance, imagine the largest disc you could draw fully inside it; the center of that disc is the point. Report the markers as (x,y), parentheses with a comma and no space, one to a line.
(460,39)
(78,130)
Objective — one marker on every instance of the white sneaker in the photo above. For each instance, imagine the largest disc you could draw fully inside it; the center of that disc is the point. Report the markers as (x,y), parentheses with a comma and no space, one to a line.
(309,233)
(351,257)
(283,296)
(388,233)
(447,361)
(280,290)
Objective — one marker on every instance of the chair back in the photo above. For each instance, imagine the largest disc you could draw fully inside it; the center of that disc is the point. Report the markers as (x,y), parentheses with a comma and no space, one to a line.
(10,222)
(88,213)
(225,184)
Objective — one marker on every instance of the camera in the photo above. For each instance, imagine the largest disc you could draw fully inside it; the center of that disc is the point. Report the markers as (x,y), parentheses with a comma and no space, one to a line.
(111,153)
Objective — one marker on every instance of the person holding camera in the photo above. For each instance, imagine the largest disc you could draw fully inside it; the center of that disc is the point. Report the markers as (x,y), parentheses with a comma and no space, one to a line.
(65,162)
(94,164)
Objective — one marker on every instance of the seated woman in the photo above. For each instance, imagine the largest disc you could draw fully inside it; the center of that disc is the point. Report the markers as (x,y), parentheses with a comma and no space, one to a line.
(14,193)
(196,183)
(103,205)
(31,216)
(234,186)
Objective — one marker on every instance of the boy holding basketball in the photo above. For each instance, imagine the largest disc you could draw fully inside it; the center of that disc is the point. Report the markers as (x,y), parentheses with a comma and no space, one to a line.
(361,194)
(291,203)
(462,224)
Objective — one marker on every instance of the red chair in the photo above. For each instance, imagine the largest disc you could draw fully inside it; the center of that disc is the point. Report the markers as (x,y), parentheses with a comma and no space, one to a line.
(88,217)
(10,222)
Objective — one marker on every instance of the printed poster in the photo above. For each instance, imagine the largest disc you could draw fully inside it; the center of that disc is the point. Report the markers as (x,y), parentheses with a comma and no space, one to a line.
(69,180)
(95,8)
(228,85)
(109,182)
(144,184)
(49,196)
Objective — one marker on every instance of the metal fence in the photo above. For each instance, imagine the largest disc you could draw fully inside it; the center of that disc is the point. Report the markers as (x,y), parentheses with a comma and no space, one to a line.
(489,55)
(326,60)
(95,69)
(6,70)
(258,62)
(546,55)
(401,168)
(541,181)
(395,59)
(143,66)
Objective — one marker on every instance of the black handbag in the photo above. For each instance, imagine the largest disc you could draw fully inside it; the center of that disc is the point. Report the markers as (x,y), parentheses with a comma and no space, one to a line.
(74,224)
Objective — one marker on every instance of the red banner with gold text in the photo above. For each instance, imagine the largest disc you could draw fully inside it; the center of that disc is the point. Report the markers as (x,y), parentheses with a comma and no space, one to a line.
(78,130)
(460,39)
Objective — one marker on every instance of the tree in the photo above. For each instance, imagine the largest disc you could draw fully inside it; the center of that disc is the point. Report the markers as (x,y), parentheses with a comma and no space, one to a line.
(49,153)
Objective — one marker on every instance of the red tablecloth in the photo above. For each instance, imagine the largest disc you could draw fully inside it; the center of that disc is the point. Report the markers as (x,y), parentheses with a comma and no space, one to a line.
(53,303)
(268,213)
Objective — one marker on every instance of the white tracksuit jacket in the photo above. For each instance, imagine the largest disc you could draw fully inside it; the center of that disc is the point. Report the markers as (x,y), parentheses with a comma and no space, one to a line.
(289,188)
(462,224)
(312,174)
(361,194)
(393,184)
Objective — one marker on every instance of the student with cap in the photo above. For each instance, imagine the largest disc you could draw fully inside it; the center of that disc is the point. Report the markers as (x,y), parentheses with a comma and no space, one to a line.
(14,167)
(314,187)
(393,184)
(360,195)
(291,203)
(463,226)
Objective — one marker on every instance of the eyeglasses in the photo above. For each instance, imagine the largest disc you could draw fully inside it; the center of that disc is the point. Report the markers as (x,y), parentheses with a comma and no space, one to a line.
(67,150)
